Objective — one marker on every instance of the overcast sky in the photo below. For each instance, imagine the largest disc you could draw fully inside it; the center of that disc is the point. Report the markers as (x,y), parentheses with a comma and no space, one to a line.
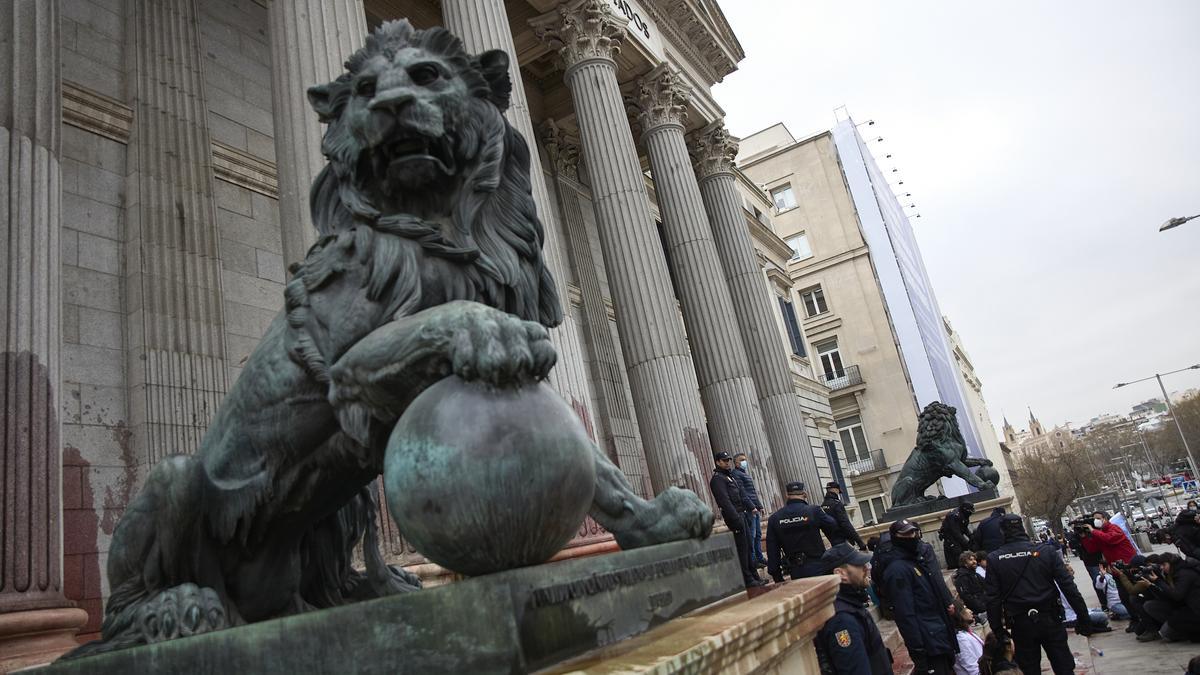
(1044,143)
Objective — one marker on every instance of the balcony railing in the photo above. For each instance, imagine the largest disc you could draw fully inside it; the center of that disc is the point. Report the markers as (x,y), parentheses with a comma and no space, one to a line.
(875,462)
(847,377)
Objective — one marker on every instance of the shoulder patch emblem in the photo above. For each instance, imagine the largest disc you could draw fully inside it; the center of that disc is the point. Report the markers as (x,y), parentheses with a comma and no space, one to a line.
(843,638)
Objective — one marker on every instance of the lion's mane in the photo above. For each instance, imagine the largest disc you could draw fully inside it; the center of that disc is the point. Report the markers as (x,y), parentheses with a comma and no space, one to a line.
(936,425)
(496,234)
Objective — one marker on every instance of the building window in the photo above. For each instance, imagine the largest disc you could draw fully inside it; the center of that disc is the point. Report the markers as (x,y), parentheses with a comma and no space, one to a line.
(800,247)
(873,510)
(814,301)
(783,197)
(831,359)
(795,337)
(854,439)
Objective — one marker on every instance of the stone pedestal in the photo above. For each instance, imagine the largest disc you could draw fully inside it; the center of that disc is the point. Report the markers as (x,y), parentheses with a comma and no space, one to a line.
(771,633)
(36,621)
(511,622)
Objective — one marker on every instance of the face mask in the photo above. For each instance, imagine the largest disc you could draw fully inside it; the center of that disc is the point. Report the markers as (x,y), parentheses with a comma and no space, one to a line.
(1097,523)
(744,464)
(909,545)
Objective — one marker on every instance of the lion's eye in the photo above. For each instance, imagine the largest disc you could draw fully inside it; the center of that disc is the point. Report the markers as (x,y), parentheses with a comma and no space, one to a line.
(365,87)
(423,74)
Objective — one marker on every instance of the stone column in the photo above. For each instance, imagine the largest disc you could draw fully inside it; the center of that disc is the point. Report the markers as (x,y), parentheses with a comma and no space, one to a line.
(310,40)
(621,439)
(734,421)
(37,623)
(483,25)
(756,312)
(177,372)
(587,36)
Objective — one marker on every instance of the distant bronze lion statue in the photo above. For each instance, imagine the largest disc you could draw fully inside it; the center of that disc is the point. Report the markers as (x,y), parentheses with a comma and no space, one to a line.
(940,452)
(429,263)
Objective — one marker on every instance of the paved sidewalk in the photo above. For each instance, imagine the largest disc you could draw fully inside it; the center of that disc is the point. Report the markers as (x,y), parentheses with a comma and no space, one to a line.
(1122,653)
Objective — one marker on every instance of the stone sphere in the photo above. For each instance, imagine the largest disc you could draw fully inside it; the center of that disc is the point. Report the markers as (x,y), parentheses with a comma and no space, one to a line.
(988,473)
(482,479)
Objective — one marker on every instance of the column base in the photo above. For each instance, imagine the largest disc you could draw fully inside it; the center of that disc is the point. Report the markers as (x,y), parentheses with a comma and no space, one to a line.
(37,637)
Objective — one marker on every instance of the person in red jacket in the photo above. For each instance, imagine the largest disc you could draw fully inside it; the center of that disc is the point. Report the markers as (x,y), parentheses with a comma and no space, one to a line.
(1108,540)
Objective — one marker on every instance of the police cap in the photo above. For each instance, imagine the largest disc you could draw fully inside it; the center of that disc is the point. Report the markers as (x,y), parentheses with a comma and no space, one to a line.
(722,455)
(795,488)
(903,526)
(843,554)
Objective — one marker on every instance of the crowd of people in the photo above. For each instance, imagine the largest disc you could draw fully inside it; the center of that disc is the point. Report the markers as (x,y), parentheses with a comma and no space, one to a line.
(1013,599)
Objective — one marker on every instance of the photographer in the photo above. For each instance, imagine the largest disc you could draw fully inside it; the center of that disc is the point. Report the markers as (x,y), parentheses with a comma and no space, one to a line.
(1176,609)
(1132,587)
(1107,539)
(1091,561)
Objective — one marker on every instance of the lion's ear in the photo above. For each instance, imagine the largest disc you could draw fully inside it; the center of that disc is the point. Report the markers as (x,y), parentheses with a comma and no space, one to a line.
(327,100)
(493,65)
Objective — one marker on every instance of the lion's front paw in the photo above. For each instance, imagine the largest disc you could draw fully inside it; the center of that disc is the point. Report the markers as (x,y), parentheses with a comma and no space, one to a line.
(499,348)
(674,515)
(181,611)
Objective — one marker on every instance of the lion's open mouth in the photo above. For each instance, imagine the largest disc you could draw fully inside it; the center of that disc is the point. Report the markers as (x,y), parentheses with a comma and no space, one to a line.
(397,153)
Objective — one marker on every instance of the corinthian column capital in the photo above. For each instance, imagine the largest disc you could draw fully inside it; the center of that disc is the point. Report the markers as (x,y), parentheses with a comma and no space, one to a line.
(561,148)
(581,31)
(660,98)
(713,151)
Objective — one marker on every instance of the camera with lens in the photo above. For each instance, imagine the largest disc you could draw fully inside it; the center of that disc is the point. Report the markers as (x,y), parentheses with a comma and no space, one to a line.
(1081,526)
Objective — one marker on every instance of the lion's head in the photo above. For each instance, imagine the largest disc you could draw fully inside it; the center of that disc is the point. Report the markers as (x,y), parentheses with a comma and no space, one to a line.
(938,425)
(416,130)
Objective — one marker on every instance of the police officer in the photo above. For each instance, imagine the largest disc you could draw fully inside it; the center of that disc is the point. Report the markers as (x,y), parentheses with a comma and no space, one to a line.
(796,530)
(837,510)
(733,505)
(920,603)
(1023,600)
(956,533)
(850,642)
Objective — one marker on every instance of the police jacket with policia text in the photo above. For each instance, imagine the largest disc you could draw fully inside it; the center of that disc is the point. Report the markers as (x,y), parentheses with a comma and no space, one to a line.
(1022,575)
(729,498)
(796,530)
(850,643)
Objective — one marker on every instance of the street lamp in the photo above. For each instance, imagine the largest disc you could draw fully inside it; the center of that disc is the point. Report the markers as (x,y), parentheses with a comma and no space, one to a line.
(1171,410)
(1176,222)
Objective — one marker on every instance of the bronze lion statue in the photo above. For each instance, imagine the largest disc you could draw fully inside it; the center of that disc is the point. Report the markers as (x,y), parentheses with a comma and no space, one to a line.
(428,264)
(940,452)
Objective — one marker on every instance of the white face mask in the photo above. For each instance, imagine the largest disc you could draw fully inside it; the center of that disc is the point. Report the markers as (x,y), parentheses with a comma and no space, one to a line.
(744,464)
(1098,523)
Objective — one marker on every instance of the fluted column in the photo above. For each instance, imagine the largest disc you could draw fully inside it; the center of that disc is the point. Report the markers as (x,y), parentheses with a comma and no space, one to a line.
(36,621)
(177,370)
(752,300)
(483,25)
(621,439)
(734,421)
(310,40)
(587,36)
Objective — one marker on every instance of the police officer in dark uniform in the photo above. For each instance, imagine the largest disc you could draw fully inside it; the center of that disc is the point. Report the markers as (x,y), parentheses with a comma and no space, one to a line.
(920,602)
(850,642)
(837,510)
(733,506)
(1022,599)
(956,533)
(795,530)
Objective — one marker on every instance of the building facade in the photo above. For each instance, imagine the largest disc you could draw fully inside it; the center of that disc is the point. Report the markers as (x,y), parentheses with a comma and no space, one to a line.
(157,187)
(871,318)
